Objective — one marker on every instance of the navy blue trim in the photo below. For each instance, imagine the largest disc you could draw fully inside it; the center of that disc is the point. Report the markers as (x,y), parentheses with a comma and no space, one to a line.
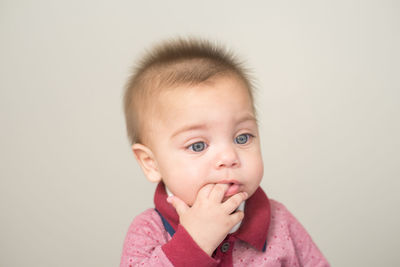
(166,224)
(265,246)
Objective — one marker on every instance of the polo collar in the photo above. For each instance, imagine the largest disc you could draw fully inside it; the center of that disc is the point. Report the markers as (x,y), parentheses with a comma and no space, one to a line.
(254,227)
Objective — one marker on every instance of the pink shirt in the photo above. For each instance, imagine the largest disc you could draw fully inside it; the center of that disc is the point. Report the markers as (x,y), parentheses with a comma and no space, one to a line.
(269,236)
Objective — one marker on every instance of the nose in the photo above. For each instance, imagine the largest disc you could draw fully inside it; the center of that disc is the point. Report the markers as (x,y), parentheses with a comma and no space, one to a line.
(227,158)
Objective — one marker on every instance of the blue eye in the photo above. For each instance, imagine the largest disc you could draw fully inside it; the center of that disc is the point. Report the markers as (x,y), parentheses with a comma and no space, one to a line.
(197,147)
(242,139)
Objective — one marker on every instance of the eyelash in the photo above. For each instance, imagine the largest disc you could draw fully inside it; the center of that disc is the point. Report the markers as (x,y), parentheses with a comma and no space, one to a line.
(191,147)
(249,137)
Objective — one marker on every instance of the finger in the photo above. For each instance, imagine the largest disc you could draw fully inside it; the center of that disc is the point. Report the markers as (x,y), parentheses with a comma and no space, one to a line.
(236,217)
(204,192)
(232,203)
(178,204)
(218,192)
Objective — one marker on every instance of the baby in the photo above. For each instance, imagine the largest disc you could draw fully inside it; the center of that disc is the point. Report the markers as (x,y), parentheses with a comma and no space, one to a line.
(191,121)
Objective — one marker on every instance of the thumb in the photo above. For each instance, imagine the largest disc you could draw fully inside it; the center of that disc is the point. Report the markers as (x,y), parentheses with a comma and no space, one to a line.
(178,204)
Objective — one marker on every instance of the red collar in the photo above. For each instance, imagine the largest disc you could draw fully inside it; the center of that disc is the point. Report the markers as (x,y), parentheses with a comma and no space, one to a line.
(254,228)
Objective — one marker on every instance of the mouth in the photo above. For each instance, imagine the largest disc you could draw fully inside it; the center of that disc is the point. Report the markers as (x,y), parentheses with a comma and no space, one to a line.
(234,188)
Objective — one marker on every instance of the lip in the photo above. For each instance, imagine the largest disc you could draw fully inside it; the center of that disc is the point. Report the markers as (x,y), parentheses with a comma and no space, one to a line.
(233,181)
(234,187)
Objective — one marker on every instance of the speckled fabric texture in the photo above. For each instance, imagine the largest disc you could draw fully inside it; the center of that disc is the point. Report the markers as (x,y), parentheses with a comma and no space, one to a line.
(288,244)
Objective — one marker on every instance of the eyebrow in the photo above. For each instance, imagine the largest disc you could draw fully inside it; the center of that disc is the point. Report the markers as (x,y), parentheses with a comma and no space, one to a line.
(204,126)
(189,128)
(248,117)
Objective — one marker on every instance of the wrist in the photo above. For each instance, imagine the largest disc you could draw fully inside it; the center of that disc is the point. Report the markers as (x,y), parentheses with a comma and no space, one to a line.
(182,250)
(202,241)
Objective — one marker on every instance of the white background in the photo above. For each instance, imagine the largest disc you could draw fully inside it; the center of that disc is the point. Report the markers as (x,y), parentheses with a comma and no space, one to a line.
(328,103)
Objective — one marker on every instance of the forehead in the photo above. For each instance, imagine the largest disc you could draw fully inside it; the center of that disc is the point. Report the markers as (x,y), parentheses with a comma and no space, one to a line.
(225,88)
(218,99)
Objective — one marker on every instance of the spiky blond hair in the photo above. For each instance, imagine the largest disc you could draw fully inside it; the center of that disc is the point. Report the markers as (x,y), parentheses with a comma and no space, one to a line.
(173,63)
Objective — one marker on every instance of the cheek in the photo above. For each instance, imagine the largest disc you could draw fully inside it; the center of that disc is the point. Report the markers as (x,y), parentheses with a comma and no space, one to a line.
(256,168)
(184,177)
(188,169)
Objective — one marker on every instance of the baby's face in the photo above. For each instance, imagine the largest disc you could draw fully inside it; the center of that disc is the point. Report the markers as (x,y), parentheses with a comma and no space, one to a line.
(207,134)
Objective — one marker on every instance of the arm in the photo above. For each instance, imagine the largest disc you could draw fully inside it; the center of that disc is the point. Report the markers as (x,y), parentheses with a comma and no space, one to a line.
(148,244)
(202,228)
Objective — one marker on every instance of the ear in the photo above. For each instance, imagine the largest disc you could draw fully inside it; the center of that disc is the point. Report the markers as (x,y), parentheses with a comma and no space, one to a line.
(147,162)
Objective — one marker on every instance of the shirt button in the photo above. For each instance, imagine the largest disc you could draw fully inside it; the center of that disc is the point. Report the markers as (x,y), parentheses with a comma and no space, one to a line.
(225,247)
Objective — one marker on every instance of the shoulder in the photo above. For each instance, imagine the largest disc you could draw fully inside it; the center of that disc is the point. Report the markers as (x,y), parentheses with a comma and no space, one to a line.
(284,226)
(143,241)
(147,221)
(279,211)
(286,231)
(147,217)
(145,227)
(282,217)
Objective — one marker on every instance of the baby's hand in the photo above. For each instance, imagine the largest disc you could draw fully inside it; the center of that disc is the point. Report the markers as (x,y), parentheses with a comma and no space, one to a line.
(209,220)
